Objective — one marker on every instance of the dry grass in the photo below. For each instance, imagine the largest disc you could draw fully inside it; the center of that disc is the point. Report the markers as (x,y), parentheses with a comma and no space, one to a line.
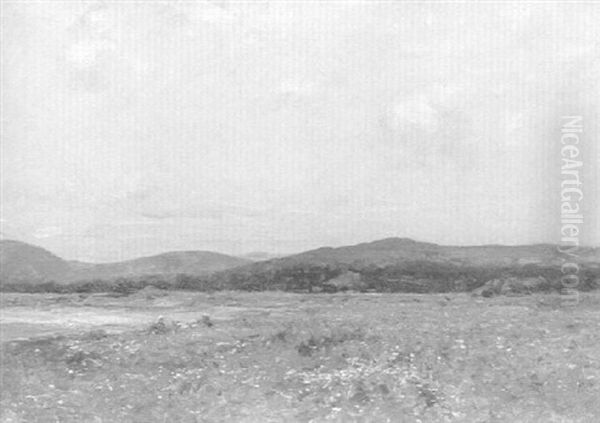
(428,358)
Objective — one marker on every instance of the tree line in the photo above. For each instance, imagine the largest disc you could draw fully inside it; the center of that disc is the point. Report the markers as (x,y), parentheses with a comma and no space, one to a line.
(416,276)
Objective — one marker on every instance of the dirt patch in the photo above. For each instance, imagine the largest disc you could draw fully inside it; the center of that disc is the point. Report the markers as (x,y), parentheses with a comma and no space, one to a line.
(47,316)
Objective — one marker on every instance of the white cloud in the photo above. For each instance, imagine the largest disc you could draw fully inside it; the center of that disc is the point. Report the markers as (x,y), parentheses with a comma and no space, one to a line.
(82,55)
(301,88)
(415,113)
(210,13)
(48,232)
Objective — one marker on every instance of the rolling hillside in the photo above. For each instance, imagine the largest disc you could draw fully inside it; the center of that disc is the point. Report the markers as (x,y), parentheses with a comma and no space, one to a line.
(172,263)
(24,263)
(394,262)
(395,251)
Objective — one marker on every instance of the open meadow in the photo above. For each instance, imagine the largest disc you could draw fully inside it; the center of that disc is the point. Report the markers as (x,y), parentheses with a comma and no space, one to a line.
(259,357)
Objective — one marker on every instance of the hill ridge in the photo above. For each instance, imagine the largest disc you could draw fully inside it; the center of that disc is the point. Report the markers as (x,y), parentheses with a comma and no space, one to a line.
(21,262)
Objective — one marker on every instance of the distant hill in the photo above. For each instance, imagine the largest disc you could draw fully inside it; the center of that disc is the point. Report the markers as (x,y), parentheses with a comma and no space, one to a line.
(186,262)
(25,263)
(393,264)
(393,251)
(260,256)
(401,261)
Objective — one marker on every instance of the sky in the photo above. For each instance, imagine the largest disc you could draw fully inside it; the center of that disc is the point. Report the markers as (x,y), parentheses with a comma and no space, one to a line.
(133,128)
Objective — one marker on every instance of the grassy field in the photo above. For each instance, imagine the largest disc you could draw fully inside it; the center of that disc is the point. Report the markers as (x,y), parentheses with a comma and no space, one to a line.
(261,357)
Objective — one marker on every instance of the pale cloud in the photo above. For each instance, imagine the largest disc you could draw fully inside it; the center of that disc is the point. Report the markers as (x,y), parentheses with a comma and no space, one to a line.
(301,88)
(48,232)
(415,113)
(208,12)
(82,55)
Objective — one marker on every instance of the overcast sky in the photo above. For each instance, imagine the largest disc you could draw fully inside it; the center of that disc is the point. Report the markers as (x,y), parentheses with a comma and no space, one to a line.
(134,128)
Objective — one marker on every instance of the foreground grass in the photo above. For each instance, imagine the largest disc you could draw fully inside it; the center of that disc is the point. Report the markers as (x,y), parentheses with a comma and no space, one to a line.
(396,358)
